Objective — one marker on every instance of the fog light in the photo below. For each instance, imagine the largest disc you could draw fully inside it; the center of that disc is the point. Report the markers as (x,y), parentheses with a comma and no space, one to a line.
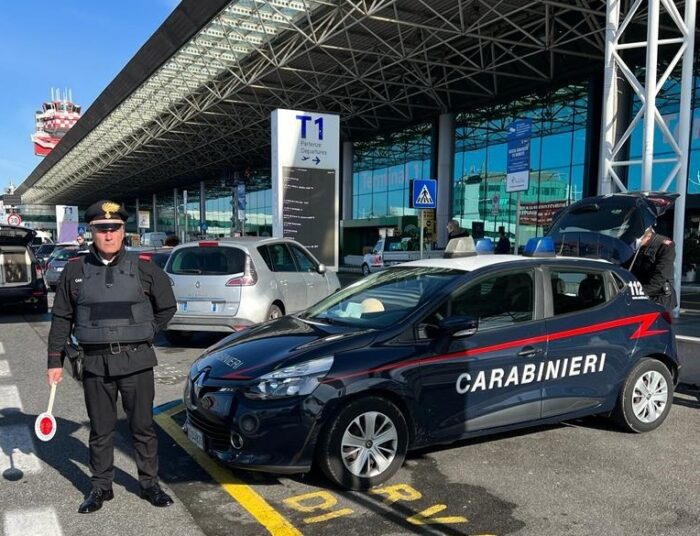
(236,441)
(249,424)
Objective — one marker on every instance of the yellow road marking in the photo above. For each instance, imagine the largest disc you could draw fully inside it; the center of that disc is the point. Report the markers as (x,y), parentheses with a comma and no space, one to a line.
(330,515)
(247,497)
(423,518)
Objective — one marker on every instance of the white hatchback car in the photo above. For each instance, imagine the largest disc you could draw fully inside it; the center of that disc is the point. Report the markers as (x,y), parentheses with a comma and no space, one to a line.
(228,284)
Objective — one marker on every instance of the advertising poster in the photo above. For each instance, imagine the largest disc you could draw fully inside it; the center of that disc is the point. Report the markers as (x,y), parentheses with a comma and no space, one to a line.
(305,181)
(66,223)
(144,219)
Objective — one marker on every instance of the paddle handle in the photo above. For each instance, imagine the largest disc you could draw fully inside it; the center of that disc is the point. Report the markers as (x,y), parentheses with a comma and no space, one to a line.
(52,396)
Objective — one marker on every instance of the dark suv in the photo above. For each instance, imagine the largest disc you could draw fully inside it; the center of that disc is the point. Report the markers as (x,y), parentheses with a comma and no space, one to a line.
(21,277)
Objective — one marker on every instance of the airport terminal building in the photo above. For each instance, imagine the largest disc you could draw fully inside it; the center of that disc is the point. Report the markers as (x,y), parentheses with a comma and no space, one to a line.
(423,88)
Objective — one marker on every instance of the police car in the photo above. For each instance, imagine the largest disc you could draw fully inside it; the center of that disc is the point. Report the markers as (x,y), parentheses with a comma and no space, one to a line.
(431,352)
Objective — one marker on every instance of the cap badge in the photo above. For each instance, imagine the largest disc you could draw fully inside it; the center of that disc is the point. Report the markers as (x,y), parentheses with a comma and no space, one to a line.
(108,208)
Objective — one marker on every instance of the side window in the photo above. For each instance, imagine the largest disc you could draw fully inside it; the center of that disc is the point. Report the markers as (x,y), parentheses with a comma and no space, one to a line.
(281,258)
(576,290)
(265,254)
(497,301)
(304,262)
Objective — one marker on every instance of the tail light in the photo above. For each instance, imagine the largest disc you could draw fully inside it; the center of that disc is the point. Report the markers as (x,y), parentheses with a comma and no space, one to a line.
(249,277)
(208,244)
(667,317)
(39,272)
(377,260)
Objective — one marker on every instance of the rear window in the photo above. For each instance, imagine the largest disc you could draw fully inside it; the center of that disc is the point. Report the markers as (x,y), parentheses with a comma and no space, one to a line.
(65,254)
(207,261)
(45,249)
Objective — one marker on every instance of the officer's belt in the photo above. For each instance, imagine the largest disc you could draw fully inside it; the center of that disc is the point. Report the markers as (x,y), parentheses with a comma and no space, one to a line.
(114,348)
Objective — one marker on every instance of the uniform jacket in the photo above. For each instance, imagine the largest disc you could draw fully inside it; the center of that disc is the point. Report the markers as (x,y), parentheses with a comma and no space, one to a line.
(155,285)
(654,269)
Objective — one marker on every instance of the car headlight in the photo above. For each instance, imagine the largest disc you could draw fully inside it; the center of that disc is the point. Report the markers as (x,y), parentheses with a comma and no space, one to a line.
(296,380)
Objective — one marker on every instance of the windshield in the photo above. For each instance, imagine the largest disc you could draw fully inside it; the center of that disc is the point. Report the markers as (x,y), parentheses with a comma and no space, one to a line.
(382,299)
(45,249)
(624,223)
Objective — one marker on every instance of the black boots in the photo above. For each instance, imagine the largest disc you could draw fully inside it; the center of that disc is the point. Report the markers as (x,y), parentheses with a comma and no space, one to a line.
(156,496)
(93,502)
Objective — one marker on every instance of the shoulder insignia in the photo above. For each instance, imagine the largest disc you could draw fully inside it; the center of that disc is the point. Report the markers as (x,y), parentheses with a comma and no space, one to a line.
(75,259)
(146,258)
(668,242)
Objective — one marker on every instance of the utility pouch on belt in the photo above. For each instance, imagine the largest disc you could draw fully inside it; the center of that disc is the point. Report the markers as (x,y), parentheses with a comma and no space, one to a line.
(77,360)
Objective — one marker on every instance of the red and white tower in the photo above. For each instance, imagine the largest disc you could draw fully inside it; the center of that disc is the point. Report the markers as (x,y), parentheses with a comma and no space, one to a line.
(55,118)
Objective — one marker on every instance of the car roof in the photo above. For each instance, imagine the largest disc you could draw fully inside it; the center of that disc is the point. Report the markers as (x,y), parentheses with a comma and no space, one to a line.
(241,241)
(469,264)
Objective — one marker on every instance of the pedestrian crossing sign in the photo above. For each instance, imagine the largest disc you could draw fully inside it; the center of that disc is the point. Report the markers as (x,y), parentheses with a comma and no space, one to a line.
(424,193)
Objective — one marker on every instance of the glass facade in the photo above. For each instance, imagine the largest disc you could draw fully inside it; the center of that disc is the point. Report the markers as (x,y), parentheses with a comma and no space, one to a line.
(668,104)
(557,154)
(382,169)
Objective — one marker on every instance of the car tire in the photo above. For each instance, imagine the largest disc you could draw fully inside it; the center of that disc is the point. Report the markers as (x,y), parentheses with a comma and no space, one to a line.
(645,398)
(274,312)
(177,338)
(337,454)
(365,269)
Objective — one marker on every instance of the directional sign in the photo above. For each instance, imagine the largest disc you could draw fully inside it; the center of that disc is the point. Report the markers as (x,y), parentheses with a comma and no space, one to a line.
(424,193)
(14,219)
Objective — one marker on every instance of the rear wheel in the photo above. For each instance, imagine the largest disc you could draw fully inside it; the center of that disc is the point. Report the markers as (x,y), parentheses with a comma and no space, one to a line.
(365,269)
(646,397)
(177,338)
(274,312)
(365,444)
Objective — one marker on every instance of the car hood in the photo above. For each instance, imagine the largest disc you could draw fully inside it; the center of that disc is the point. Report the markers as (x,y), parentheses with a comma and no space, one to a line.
(276,344)
(11,235)
(607,226)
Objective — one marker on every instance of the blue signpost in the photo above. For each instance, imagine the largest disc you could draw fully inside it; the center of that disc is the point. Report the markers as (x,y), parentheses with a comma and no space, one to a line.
(423,196)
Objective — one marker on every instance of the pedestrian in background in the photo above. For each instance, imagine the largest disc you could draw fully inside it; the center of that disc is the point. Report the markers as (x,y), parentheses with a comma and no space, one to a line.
(503,246)
(82,243)
(652,265)
(455,231)
(171,241)
(113,305)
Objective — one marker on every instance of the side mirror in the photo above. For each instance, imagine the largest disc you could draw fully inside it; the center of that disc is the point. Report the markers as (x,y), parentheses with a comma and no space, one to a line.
(460,326)
(321,268)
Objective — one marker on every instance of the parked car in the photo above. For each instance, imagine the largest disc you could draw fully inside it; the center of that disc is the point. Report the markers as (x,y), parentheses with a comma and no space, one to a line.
(41,238)
(430,352)
(153,239)
(394,250)
(21,276)
(230,284)
(43,253)
(158,256)
(57,262)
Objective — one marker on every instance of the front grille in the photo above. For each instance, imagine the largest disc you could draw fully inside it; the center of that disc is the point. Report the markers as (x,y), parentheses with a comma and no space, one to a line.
(217,435)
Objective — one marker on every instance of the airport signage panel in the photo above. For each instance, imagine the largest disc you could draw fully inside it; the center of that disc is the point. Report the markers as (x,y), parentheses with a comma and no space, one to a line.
(66,223)
(518,163)
(305,181)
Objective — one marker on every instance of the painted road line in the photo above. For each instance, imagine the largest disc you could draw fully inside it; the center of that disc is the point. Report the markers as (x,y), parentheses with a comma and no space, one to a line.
(33,522)
(247,497)
(2,349)
(17,452)
(4,368)
(687,338)
(9,398)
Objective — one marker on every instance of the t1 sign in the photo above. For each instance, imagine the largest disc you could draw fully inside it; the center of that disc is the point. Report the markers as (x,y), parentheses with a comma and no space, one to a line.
(304,119)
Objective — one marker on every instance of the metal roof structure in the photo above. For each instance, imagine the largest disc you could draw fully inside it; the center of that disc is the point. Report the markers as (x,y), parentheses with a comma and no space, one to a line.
(195,101)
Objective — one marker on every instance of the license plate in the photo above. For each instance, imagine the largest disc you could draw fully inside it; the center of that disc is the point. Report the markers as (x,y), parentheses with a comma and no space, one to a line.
(195,435)
(59,269)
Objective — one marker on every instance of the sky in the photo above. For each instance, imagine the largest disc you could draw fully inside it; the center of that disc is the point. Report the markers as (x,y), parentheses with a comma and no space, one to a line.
(76,44)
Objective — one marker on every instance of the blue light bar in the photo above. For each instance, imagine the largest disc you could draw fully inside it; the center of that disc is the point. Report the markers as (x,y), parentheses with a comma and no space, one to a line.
(540,247)
(484,246)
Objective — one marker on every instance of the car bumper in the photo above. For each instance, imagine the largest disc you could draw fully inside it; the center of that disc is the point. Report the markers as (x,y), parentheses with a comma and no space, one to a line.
(224,324)
(52,277)
(276,436)
(22,295)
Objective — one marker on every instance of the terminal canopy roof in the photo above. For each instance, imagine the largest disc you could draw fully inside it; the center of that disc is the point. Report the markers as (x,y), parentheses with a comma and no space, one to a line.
(194,103)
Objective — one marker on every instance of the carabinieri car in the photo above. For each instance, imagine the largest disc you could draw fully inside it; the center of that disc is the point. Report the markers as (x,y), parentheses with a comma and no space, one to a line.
(430,352)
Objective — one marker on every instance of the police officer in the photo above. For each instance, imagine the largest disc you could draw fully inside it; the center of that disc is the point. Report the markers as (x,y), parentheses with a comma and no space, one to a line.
(82,244)
(113,305)
(653,267)
(455,231)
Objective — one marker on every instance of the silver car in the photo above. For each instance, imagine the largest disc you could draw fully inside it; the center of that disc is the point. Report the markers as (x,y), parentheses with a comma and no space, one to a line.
(231,283)
(57,261)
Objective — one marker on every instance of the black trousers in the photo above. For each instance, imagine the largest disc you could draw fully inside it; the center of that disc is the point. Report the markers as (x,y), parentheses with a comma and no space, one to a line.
(137,391)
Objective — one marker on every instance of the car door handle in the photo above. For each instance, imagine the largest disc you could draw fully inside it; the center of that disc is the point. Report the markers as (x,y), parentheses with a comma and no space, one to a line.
(529,351)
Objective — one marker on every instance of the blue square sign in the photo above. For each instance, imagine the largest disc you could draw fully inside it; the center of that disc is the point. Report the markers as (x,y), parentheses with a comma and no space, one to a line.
(424,194)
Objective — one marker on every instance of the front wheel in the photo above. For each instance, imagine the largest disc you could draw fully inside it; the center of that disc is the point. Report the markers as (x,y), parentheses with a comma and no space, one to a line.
(365,269)
(646,397)
(274,312)
(364,444)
